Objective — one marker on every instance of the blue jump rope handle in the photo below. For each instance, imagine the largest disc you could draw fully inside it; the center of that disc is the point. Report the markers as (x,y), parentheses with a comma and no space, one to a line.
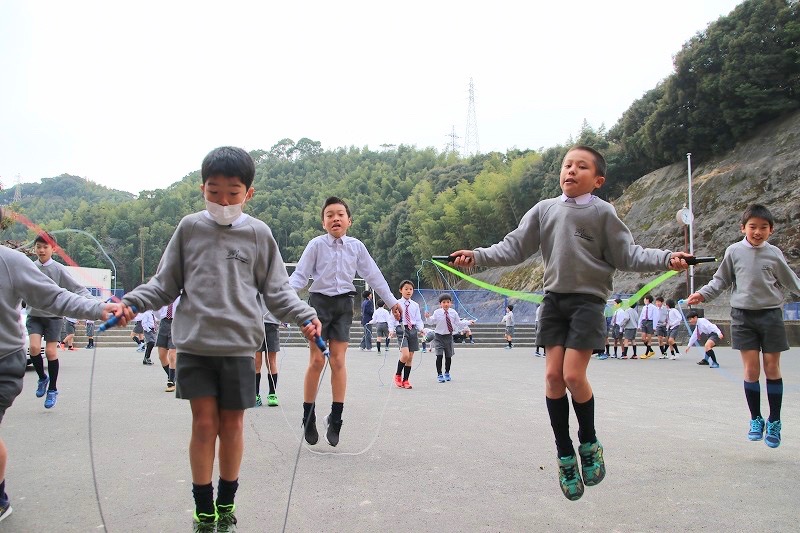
(111,322)
(318,340)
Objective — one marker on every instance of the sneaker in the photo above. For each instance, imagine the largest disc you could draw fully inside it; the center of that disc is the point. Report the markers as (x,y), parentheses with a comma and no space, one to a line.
(537,353)
(623,356)
(703,362)
(332,430)
(41,386)
(440,378)
(258,400)
(226,520)
(634,356)
(713,365)
(662,356)
(570,478)
(89,346)
(773,437)
(407,385)
(5,509)
(398,380)
(272,400)
(72,349)
(593,469)
(204,523)
(447,376)
(147,361)
(50,401)
(472,341)
(602,356)
(141,348)
(507,347)
(170,386)
(310,430)
(424,350)
(756,429)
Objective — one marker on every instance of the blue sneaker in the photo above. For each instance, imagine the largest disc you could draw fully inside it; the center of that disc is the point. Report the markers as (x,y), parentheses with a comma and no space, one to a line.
(602,356)
(756,429)
(773,437)
(440,378)
(569,478)
(50,401)
(41,387)
(447,376)
(713,365)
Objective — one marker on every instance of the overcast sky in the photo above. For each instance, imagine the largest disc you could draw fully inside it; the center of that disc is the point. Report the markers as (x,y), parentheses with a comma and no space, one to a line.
(132,95)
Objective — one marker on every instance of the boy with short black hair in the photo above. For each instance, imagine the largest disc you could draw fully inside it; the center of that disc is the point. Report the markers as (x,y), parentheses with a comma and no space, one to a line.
(759,274)
(42,324)
(661,326)
(647,320)
(704,327)
(333,260)
(583,242)
(446,322)
(222,259)
(674,319)
(408,331)
(381,319)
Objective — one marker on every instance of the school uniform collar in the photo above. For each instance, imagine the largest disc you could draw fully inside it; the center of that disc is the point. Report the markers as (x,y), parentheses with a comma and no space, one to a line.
(583,199)
(747,243)
(331,240)
(49,262)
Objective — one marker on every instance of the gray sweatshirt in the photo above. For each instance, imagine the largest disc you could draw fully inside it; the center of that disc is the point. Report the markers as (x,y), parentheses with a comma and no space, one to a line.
(758,277)
(21,280)
(221,270)
(582,246)
(62,278)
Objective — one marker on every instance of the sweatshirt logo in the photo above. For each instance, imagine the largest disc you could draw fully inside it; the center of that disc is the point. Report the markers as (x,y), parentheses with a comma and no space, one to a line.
(581,232)
(239,256)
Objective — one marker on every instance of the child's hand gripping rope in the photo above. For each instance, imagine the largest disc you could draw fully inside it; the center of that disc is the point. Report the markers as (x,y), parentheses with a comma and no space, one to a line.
(310,328)
(114,320)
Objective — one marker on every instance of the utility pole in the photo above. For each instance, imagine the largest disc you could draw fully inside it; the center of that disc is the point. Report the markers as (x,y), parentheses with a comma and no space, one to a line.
(452,145)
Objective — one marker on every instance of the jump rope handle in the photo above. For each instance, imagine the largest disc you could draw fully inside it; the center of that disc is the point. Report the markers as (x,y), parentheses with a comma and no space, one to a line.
(445,258)
(318,340)
(111,322)
(696,260)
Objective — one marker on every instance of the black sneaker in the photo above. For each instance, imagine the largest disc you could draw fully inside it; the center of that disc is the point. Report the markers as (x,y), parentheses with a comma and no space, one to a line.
(227,520)
(5,509)
(310,429)
(332,430)
(703,362)
(147,361)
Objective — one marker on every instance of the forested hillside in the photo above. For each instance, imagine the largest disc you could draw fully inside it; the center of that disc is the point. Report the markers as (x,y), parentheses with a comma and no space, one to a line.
(739,74)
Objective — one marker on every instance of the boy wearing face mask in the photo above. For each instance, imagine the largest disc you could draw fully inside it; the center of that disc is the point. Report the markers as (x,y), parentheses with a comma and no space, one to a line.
(222,259)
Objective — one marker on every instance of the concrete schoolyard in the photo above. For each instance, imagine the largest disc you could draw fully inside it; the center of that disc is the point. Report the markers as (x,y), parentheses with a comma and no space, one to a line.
(474,454)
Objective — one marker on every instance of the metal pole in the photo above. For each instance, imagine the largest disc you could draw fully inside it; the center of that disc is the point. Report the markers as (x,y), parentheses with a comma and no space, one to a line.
(691,222)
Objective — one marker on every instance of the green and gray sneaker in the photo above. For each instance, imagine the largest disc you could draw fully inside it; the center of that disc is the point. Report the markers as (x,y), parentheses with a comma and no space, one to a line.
(227,520)
(593,468)
(570,478)
(205,523)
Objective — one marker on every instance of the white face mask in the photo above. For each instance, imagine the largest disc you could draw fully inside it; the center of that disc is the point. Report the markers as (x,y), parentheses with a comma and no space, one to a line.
(224,215)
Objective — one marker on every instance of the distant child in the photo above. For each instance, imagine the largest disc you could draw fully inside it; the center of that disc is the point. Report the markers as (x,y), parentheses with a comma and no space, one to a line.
(408,332)
(68,333)
(647,319)
(270,346)
(582,242)
(618,321)
(661,326)
(508,320)
(90,334)
(367,311)
(41,324)
(703,326)
(629,332)
(446,322)
(333,260)
(137,333)
(222,259)
(381,320)
(149,327)
(674,320)
(427,337)
(537,317)
(758,275)
(167,353)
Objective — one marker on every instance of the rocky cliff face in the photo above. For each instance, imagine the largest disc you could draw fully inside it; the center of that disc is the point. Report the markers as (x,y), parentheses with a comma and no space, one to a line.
(764,170)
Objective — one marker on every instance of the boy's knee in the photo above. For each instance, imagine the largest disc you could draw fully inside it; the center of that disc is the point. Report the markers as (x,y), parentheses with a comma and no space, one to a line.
(554,379)
(573,380)
(205,427)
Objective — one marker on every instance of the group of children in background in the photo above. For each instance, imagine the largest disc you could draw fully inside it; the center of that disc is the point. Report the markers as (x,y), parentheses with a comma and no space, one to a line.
(222,259)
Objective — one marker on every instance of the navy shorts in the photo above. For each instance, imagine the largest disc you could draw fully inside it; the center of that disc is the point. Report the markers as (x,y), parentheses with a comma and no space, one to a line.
(573,321)
(272,341)
(232,380)
(335,313)
(47,327)
(758,329)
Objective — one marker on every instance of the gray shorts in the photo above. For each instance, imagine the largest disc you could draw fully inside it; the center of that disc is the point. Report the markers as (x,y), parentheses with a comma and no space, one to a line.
(647,327)
(444,345)
(673,332)
(616,332)
(573,321)
(408,338)
(710,337)
(150,336)
(164,339)
(335,313)
(90,329)
(661,330)
(629,334)
(758,329)
(68,328)
(509,330)
(12,371)
(137,327)
(382,330)
(272,341)
(47,327)
(232,380)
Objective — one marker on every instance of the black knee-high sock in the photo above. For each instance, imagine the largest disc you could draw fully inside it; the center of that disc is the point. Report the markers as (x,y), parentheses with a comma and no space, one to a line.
(607,347)
(38,365)
(171,375)
(584,412)
(52,369)
(203,498)
(387,343)
(148,349)
(712,355)
(775,398)
(137,340)
(336,411)
(647,348)
(439,364)
(379,346)
(634,349)
(447,361)
(166,370)
(406,372)
(308,410)
(615,350)
(273,382)
(752,393)
(625,351)
(400,366)
(226,491)
(258,383)
(558,409)
(663,349)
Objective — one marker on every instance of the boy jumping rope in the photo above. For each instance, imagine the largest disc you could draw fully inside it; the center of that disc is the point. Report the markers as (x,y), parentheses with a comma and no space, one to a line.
(582,243)
(222,259)
(758,274)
